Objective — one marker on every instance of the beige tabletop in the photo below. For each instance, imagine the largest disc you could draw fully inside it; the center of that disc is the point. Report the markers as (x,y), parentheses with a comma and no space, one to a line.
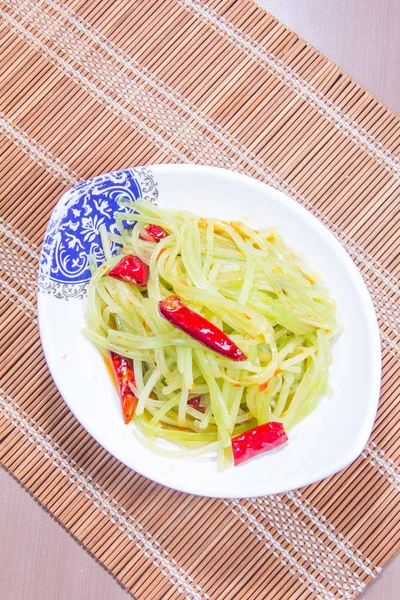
(41,561)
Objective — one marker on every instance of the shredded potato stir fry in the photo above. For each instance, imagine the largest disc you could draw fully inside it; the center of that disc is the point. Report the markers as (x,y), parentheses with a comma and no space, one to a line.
(248,284)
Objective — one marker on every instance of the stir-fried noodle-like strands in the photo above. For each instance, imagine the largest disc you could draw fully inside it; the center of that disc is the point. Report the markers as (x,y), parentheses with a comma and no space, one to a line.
(247,283)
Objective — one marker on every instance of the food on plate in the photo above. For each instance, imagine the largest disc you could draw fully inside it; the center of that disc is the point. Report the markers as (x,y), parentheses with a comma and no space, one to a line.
(219,335)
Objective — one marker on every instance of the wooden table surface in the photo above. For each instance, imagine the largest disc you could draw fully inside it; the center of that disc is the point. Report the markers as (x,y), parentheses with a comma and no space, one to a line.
(38,559)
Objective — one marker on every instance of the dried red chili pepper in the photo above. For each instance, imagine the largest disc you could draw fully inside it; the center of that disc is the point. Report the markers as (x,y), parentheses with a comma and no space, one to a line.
(195,403)
(152,233)
(123,374)
(199,328)
(255,441)
(131,269)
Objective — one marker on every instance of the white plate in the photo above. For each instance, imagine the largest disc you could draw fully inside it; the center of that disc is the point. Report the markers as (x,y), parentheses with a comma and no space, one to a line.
(324,443)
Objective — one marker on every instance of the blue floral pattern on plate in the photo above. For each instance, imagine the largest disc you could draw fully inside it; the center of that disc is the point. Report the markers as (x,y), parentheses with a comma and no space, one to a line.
(73,230)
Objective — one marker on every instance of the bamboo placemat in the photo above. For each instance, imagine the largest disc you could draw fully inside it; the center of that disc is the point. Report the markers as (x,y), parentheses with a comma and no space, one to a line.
(89,87)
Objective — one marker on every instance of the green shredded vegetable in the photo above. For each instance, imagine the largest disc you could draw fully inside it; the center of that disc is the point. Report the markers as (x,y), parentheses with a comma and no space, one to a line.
(249,284)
